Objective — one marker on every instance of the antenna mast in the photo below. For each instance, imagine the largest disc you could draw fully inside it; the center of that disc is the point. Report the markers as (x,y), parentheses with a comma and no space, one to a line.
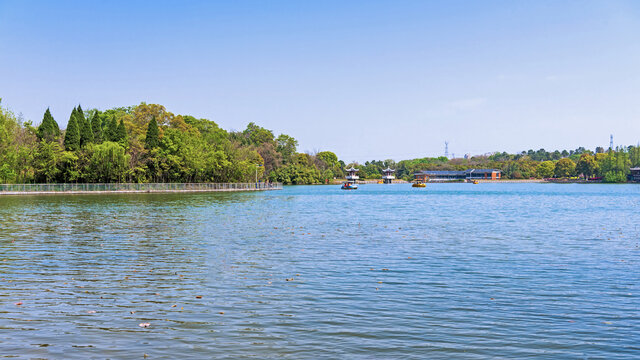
(611,142)
(446,149)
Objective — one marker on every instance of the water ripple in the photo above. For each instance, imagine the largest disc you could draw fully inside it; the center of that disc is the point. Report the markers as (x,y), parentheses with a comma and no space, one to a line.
(450,271)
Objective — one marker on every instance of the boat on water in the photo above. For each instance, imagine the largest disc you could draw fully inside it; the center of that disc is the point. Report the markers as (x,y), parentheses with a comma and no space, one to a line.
(349,186)
(419,185)
(352,178)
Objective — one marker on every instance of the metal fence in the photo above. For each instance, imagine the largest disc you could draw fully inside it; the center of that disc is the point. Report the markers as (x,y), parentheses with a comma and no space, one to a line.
(133,187)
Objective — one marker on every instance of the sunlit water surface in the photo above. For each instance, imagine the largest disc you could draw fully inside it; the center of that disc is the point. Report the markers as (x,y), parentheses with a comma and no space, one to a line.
(388,271)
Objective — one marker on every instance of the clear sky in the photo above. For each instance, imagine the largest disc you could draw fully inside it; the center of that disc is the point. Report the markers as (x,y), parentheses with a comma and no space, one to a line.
(365,79)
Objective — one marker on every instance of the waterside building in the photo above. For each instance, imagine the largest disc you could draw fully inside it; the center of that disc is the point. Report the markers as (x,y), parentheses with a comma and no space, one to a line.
(352,175)
(469,174)
(387,175)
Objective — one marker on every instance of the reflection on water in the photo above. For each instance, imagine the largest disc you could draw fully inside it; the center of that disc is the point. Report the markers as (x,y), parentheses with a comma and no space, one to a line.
(387,271)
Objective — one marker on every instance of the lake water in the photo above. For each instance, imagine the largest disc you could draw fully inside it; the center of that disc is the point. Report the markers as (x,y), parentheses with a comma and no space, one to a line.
(387,271)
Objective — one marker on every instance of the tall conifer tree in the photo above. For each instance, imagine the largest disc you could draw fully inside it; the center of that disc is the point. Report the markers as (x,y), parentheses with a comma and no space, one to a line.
(84,125)
(112,130)
(122,134)
(72,135)
(56,128)
(49,129)
(74,114)
(151,140)
(96,126)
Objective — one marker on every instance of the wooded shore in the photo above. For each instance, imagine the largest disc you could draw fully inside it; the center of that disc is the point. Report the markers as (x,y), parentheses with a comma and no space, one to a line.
(119,188)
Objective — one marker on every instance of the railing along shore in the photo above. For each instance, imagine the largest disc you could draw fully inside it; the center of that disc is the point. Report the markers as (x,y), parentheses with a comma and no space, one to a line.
(93,188)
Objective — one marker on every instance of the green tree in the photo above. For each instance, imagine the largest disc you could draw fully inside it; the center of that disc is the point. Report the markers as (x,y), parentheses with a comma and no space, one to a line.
(328,157)
(45,161)
(272,158)
(565,168)
(74,113)
(112,130)
(6,173)
(96,126)
(328,163)
(614,165)
(72,134)
(587,165)
(545,169)
(256,135)
(614,177)
(297,174)
(122,134)
(151,140)
(79,123)
(287,146)
(634,156)
(108,162)
(68,167)
(84,125)
(9,127)
(48,129)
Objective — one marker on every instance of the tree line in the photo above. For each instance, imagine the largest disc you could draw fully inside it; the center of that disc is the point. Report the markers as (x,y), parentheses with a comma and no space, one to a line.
(610,165)
(147,143)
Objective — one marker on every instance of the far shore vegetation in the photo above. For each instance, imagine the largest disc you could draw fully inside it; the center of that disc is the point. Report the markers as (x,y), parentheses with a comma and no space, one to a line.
(147,143)
(610,165)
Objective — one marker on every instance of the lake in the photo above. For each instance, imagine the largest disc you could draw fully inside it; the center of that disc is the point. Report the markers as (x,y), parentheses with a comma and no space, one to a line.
(387,271)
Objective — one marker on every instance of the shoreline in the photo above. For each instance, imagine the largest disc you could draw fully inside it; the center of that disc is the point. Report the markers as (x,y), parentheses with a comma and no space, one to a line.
(7,193)
(481,181)
(514,181)
(368,181)
(129,188)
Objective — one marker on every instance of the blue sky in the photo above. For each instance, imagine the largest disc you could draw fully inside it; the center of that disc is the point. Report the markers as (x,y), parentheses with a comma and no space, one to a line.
(366,79)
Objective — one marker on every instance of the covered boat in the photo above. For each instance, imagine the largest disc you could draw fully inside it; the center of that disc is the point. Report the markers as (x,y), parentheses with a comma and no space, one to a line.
(349,186)
(352,178)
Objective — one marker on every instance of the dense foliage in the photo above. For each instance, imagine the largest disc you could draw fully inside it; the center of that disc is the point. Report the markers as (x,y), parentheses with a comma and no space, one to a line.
(611,165)
(147,143)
